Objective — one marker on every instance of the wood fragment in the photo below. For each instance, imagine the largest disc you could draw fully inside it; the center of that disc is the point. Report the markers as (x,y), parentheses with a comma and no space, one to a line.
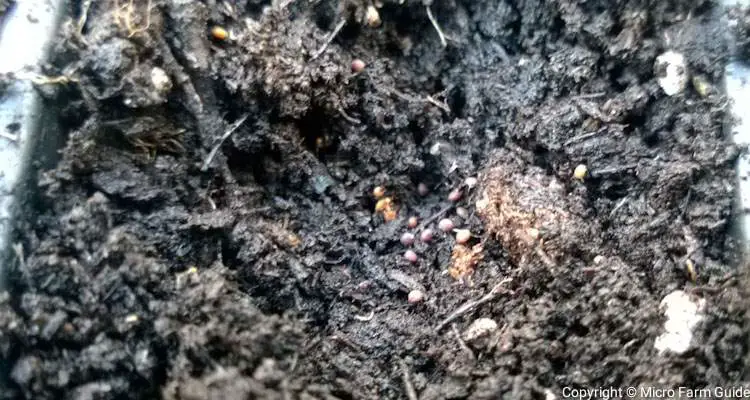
(584,136)
(471,305)
(433,218)
(441,105)
(85,6)
(411,393)
(329,40)
(350,119)
(436,26)
(365,318)
(224,137)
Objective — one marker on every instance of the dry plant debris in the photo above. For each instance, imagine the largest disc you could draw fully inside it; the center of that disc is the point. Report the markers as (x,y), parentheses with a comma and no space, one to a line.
(464,260)
(532,216)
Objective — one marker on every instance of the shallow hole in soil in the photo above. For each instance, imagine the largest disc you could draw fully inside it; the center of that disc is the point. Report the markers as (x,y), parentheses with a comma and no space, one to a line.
(457,101)
(255,7)
(249,169)
(317,137)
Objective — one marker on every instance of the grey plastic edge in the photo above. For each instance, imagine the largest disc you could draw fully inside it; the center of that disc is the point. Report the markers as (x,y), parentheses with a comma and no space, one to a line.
(737,87)
(27,32)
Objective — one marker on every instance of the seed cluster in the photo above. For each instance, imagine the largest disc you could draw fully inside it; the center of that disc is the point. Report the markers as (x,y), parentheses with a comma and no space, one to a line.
(426,234)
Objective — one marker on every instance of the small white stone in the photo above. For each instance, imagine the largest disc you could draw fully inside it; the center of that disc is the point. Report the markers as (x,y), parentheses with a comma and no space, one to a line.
(372,17)
(160,80)
(479,328)
(671,72)
(415,296)
(683,315)
(435,148)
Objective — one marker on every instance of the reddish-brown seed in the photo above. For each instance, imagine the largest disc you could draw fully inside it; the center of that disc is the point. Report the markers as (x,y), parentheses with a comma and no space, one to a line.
(411,256)
(407,239)
(415,296)
(412,222)
(455,195)
(423,190)
(445,225)
(364,285)
(426,236)
(378,192)
(358,65)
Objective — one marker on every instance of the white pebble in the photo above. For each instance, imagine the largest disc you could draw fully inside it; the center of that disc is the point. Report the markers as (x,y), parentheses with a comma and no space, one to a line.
(671,72)
(683,315)
(462,236)
(372,18)
(479,328)
(462,212)
(160,80)
(415,296)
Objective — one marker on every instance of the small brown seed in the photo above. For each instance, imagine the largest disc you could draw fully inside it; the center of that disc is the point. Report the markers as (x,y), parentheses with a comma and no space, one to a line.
(445,225)
(411,256)
(378,192)
(407,239)
(426,236)
(358,65)
(455,195)
(412,222)
(423,190)
(364,285)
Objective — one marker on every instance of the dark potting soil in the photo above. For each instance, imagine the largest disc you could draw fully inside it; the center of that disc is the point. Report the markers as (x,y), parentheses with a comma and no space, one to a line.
(153,269)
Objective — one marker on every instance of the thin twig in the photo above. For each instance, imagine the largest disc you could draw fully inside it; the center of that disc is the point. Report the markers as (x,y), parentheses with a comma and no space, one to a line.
(9,136)
(589,95)
(365,318)
(18,249)
(332,36)
(346,116)
(411,99)
(619,205)
(434,217)
(346,341)
(471,305)
(436,26)
(224,137)
(411,393)
(85,6)
(461,342)
(439,104)
(132,30)
(584,136)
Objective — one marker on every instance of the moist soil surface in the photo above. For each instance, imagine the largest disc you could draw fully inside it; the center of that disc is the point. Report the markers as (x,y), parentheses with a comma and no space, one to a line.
(211,229)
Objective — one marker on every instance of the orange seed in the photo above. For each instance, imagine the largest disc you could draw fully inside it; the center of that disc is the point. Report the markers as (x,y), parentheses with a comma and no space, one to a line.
(219,33)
